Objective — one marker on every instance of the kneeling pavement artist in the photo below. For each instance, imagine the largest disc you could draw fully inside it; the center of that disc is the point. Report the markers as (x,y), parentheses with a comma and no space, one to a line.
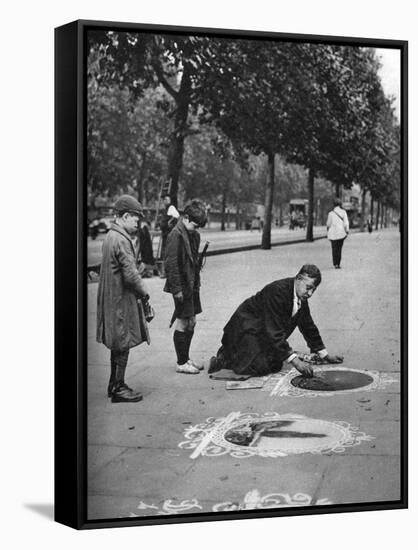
(182,268)
(255,338)
(122,298)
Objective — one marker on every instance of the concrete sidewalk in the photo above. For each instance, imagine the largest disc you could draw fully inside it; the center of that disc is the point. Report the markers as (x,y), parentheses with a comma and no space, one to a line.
(135,464)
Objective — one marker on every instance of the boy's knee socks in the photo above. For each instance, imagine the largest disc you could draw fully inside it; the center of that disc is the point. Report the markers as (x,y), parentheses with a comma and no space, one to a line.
(182,346)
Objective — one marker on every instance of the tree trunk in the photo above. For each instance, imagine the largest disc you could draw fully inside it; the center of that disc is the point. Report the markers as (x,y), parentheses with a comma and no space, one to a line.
(140,188)
(223,208)
(146,192)
(309,225)
(371,209)
(238,216)
(268,204)
(337,190)
(363,209)
(176,147)
(377,216)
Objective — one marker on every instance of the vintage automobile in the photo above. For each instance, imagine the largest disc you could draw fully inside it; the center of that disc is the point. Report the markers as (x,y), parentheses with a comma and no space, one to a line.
(297,213)
(353,213)
(101,222)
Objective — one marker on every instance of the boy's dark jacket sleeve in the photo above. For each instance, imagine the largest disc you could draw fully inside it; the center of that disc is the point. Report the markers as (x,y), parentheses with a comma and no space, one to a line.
(130,274)
(172,261)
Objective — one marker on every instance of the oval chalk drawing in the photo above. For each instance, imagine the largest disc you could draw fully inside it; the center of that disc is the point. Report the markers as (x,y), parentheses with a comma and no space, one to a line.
(333,380)
(328,381)
(270,435)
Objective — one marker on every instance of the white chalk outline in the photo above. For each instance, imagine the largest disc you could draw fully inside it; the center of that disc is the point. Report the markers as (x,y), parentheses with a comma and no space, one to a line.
(207,439)
(285,388)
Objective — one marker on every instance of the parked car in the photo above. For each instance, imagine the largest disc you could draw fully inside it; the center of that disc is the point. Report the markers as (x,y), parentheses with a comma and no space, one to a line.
(101,223)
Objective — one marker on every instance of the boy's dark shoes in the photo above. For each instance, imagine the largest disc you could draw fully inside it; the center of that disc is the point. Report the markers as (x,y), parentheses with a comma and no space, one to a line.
(124,394)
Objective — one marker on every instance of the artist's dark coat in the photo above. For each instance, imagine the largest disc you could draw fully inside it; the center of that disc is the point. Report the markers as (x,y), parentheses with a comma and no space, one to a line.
(255,338)
(119,324)
(181,264)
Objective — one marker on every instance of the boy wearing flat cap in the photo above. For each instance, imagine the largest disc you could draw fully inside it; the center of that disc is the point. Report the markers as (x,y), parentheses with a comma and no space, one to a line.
(120,325)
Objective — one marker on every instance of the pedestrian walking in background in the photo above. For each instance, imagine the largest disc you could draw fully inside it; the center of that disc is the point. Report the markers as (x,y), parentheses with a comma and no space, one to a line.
(254,341)
(338,229)
(121,298)
(182,267)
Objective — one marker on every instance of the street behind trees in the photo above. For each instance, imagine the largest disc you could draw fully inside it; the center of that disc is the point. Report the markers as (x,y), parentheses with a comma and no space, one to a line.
(239,122)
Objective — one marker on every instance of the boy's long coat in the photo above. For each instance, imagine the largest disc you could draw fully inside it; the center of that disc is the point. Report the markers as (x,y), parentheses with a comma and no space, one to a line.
(120,325)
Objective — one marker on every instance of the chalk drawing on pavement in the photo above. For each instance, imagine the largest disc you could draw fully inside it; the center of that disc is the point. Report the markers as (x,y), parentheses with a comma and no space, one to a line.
(269,435)
(253,500)
(281,385)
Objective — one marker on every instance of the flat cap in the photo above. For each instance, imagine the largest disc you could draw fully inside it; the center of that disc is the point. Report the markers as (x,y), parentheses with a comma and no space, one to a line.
(126,203)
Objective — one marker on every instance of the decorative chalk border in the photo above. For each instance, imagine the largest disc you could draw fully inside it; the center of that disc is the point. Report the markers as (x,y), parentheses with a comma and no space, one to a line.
(253,500)
(208,438)
(280,385)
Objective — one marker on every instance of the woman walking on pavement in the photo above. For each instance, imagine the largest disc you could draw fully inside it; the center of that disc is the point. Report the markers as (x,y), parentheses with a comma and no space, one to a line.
(338,229)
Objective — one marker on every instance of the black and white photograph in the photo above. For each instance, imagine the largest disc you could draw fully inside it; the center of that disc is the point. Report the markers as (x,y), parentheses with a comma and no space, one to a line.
(244,199)
(208,294)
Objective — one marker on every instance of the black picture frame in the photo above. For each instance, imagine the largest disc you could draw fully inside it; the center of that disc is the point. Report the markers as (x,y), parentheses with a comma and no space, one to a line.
(71,277)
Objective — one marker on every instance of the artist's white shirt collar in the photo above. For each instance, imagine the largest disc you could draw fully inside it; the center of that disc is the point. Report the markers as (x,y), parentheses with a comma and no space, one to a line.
(296,301)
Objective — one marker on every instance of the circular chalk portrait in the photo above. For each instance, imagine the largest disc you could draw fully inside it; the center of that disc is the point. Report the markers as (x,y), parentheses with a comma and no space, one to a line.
(270,435)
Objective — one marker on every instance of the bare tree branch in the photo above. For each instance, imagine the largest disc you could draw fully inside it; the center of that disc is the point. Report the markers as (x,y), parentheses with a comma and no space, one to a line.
(161,77)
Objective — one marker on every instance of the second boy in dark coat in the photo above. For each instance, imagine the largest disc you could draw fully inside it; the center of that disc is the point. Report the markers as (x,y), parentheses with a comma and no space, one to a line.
(255,338)
(183,280)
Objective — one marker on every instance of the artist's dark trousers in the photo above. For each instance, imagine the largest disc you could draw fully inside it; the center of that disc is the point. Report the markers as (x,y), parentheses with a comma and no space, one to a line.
(336,246)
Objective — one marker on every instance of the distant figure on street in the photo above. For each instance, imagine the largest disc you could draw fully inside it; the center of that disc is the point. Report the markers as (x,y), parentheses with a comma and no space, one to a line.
(370,224)
(182,269)
(121,298)
(255,338)
(293,219)
(338,229)
(256,224)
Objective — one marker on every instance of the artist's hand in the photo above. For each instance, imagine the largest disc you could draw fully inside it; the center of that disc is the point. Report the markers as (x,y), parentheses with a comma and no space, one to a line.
(333,359)
(304,368)
(179,296)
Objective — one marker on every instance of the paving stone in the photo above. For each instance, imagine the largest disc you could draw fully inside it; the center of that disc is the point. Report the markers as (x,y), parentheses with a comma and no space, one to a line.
(352,479)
